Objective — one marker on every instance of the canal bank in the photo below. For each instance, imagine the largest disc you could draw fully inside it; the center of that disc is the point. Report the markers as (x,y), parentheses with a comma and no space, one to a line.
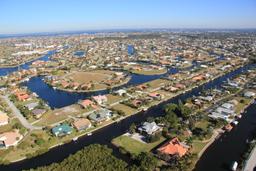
(106,134)
(229,146)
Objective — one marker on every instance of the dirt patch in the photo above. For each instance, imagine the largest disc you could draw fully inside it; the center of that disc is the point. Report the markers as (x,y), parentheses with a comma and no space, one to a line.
(66,110)
(90,77)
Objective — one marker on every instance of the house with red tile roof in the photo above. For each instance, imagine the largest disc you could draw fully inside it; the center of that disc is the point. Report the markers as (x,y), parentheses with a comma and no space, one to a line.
(155,95)
(174,147)
(82,124)
(141,87)
(22,96)
(11,138)
(180,86)
(198,78)
(137,103)
(86,103)
(100,99)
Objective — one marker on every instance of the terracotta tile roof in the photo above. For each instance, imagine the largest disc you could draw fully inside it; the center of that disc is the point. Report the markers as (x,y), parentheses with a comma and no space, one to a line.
(10,138)
(82,123)
(174,147)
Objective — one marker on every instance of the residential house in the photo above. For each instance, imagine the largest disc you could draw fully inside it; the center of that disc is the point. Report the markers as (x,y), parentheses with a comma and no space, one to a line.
(174,147)
(180,86)
(22,96)
(224,111)
(137,103)
(228,106)
(149,128)
(121,92)
(198,78)
(100,115)
(206,98)
(38,112)
(11,138)
(87,103)
(141,87)
(4,119)
(32,105)
(100,99)
(249,94)
(155,96)
(82,124)
(61,130)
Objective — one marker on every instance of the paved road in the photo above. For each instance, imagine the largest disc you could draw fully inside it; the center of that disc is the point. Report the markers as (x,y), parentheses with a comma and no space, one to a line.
(251,162)
(18,115)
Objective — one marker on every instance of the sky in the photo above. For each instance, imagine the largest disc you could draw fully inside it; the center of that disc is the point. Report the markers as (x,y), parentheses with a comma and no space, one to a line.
(30,16)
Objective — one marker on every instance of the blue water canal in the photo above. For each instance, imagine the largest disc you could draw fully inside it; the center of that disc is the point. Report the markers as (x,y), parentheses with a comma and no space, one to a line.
(6,71)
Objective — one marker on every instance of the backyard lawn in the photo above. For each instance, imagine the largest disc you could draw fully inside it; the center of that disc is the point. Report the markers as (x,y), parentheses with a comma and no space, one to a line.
(134,146)
(126,109)
(197,146)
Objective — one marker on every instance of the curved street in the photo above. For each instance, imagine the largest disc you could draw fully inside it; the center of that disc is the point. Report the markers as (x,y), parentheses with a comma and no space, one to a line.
(18,115)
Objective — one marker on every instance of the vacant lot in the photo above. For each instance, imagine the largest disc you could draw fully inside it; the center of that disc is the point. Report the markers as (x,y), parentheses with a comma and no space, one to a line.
(61,114)
(92,76)
(126,109)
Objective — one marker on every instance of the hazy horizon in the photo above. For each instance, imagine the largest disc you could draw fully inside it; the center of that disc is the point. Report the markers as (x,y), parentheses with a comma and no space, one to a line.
(28,16)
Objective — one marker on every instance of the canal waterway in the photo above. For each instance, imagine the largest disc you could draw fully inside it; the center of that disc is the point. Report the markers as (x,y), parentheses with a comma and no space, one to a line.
(9,70)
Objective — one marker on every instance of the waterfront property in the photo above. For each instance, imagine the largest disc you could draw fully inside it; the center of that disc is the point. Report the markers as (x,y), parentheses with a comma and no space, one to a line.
(82,124)
(62,130)
(174,147)
(149,128)
(100,115)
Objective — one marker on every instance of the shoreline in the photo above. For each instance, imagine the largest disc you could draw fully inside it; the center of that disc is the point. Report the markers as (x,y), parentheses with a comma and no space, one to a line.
(145,72)
(219,133)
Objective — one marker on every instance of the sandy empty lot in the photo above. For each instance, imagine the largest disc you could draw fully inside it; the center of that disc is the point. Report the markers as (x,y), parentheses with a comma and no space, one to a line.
(87,77)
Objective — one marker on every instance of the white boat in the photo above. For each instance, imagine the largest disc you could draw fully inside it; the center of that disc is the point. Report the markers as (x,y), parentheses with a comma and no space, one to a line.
(35,94)
(89,134)
(75,138)
(235,122)
(234,166)
(239,116)
(54,88)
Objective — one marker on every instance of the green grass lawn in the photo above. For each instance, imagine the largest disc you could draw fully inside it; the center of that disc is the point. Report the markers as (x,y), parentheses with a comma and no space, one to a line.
(133,146)
(240,106)
(198,146)
(126,109)
(9,126)
(202,124)
(113,98)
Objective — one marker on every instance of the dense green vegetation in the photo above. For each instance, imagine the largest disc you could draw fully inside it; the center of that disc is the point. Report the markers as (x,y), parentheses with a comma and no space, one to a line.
(91,158)
(99,158)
